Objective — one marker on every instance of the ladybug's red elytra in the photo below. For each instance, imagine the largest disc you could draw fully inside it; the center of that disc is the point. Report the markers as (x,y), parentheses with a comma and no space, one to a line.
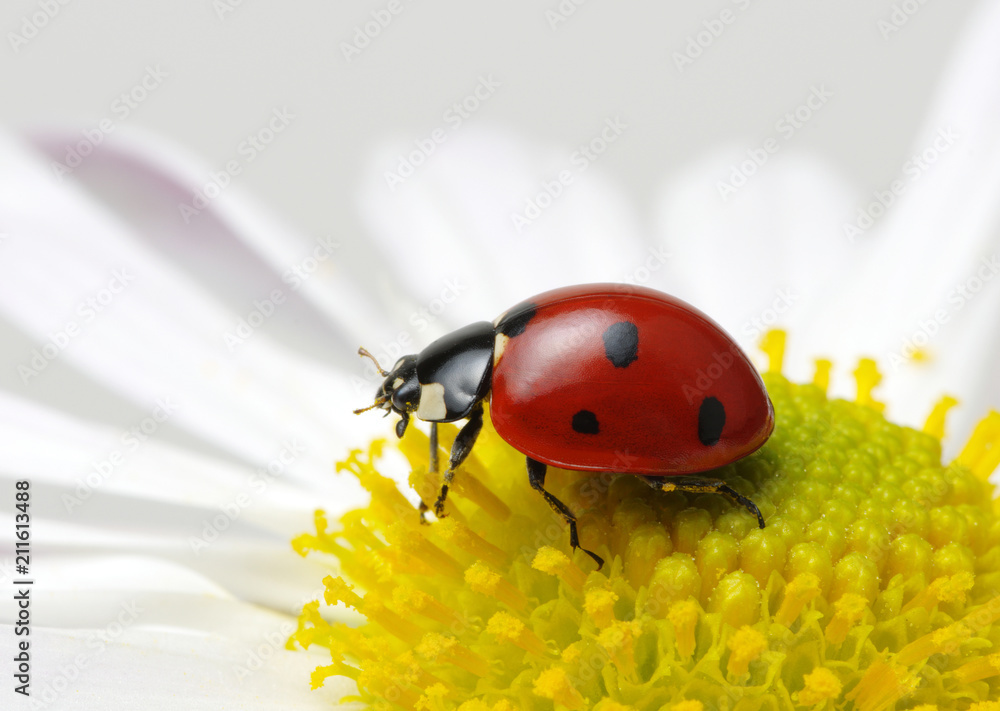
(597,377)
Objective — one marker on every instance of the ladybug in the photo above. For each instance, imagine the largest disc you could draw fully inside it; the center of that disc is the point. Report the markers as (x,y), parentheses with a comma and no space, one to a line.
(597,377)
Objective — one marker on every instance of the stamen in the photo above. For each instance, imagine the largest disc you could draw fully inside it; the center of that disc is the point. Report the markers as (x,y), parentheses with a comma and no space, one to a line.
(599,604)
(821,378)
(435,647)
(803,588)
(554,684)
(935,421)
(746,645)
(460,535)
(821,684)
(555,562)
(486,581)
(773,345)
(982,452)
(847,611)
(982,668)
(507,628)
(618,640)
(952,588)
(338,590)
(880,687)
(683,615)
(868,378)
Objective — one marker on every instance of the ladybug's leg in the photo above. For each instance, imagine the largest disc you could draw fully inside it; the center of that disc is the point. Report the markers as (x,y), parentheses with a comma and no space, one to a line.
(459,451)
(702,486)
(536,476)
(433,462)
(432,468)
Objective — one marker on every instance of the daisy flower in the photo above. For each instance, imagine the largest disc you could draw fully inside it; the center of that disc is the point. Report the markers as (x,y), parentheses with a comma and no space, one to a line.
(160,558)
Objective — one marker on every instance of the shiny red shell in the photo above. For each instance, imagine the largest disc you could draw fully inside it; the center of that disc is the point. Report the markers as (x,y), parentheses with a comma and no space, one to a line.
(612,377)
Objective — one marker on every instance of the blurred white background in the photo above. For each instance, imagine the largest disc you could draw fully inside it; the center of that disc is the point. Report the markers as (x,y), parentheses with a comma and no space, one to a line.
(228,64)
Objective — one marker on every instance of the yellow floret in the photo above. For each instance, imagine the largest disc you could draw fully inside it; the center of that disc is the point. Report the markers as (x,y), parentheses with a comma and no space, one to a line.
(683,616)
(820,685)
(554,684)
(507,628)
(600,605)
(555,562)
(745,646)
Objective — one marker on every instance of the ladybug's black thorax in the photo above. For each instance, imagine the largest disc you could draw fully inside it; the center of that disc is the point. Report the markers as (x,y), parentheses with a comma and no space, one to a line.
(455,373)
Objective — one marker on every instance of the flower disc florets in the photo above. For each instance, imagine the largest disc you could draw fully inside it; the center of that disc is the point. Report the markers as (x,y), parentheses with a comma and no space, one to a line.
(875,584)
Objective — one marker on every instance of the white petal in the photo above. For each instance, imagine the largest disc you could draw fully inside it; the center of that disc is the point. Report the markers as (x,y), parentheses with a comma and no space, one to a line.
(161,337)
(233,555)
(235,246)
(942,234)
(448,236)
(118,668)
(754,258)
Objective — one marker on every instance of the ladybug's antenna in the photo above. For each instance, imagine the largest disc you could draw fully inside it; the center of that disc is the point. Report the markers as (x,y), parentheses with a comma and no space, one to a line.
(365,354)
(381,400)
(378,403)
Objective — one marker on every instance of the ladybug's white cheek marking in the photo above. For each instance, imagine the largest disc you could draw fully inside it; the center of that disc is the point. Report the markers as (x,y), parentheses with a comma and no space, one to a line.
(431,407)
(498,348)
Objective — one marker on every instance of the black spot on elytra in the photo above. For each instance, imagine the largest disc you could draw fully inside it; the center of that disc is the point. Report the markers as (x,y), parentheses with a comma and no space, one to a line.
(711,420)
(515,323)
(585,422)
(621,343)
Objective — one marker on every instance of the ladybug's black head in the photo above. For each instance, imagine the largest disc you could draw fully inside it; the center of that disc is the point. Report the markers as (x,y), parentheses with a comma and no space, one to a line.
(400,388)
(399,392)
(445,382)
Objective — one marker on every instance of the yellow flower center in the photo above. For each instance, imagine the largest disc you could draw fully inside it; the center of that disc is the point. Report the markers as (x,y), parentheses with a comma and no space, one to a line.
(874,586)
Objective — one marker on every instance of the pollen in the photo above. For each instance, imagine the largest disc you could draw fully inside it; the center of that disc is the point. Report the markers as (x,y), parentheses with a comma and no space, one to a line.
(599,603)
(820,685)
(555,562)
(683,616)
(555,684)
(489,582)
(507,628)
(745,646)
(875,585)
